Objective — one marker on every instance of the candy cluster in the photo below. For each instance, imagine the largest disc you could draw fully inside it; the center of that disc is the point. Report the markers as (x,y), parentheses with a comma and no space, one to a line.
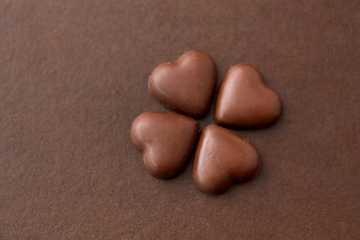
(222,157)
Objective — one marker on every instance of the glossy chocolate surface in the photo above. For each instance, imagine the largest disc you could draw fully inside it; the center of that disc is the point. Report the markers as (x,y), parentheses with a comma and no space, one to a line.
(166,141)
(244,100)
(186,85)
(222,158)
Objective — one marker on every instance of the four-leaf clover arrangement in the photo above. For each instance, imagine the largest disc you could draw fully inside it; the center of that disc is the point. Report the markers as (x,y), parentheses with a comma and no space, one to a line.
(222,157)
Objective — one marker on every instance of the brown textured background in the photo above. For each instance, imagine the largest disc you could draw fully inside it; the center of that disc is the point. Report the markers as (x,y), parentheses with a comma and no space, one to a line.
(74,75)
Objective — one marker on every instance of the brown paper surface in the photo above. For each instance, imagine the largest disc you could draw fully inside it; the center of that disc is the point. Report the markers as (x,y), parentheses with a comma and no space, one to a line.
(73,77)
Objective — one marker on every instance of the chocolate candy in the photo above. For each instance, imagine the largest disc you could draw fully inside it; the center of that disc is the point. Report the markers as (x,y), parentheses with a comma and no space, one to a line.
(222,158)
(244,101)
(186,85)
(166,141)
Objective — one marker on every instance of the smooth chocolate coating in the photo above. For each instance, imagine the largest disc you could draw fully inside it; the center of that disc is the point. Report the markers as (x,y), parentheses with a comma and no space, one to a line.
(222,158)
(186,85)
(166,141)
(244,100)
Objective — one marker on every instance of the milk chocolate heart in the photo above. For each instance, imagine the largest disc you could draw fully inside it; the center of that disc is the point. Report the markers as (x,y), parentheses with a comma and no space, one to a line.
(166,141)
(222,158)
(186,85)
(244,100)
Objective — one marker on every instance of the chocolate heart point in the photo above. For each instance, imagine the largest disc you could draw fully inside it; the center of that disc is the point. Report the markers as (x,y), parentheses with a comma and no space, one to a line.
(186,85)
(244,100)
(166,141)
(222,158)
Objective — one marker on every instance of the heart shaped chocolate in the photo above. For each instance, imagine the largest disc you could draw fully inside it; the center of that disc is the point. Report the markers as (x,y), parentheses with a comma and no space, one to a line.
(166,141)
(222,158)
(186,85)
(244,100)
